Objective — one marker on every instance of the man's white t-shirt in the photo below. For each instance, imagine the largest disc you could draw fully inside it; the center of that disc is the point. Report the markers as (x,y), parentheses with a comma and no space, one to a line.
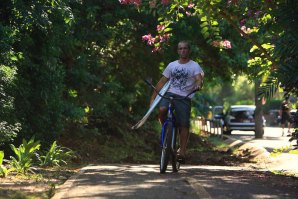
(182,77)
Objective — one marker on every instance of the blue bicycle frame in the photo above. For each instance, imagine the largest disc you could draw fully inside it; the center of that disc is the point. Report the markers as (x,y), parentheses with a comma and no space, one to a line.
(169,118)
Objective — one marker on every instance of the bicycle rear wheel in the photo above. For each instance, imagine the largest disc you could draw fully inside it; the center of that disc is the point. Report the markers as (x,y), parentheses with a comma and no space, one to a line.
(166,147)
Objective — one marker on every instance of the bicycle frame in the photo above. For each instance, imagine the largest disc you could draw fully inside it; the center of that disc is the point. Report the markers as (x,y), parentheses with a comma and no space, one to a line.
(170,117)
(168,141)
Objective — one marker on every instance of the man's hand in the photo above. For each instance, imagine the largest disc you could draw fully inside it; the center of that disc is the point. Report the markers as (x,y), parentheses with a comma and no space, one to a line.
(199,81)
(163,80)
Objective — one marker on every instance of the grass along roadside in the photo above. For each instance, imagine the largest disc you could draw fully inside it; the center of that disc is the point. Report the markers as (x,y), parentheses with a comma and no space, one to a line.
(39,185)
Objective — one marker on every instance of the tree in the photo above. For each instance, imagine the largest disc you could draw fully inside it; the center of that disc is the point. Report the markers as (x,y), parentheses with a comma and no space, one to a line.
(257,22)
(68,67)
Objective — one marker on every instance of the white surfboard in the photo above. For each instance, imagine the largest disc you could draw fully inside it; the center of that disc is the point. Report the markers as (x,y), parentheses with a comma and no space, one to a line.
(153,105)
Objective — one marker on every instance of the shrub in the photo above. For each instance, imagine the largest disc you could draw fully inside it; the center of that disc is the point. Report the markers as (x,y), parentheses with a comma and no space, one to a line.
(56,156)
(25,154)
(3,170)
(8,132)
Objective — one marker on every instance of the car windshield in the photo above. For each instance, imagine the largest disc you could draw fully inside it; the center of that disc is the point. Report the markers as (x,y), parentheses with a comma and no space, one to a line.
(242,115)
(218,111)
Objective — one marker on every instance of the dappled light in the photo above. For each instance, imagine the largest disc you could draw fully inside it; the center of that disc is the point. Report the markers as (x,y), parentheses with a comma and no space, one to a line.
(144,181)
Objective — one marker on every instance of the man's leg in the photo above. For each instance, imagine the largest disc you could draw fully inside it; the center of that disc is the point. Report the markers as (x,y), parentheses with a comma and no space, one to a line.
(282,125)
(162,115)
(184,134)
(289,128)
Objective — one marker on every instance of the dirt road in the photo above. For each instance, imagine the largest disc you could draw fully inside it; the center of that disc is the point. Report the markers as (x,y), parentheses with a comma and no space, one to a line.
(145,181)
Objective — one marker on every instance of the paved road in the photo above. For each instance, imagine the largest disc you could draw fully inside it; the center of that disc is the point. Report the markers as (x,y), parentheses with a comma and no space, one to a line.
(210,182)
(272,138)
(144,181)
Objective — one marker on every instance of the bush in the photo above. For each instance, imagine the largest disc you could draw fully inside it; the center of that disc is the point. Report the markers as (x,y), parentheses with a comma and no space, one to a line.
(56,156)
(8,132)
(3,170)
(25,154)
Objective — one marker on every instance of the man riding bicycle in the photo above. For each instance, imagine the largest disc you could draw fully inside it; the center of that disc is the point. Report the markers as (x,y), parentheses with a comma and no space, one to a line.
(185,75)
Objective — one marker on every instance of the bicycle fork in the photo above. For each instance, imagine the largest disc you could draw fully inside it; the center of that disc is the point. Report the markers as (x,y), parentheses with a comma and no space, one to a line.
(174,133)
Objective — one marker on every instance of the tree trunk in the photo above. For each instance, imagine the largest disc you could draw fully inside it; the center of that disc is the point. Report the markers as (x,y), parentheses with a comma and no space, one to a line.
(259,128)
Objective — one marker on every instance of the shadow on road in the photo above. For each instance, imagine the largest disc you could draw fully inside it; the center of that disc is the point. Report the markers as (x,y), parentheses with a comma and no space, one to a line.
(144,181)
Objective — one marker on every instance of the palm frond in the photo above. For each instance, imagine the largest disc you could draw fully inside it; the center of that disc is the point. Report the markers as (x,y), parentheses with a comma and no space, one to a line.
(268,88)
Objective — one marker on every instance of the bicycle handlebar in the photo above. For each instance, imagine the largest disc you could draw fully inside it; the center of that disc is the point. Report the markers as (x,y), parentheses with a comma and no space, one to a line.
(181,98)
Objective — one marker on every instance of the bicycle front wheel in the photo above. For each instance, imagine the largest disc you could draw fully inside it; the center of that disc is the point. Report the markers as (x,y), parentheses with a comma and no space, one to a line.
(175,163)
(166,147)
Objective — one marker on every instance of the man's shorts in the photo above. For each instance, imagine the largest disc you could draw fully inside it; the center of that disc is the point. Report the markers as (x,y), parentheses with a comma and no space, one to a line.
(181,107)
(285,117)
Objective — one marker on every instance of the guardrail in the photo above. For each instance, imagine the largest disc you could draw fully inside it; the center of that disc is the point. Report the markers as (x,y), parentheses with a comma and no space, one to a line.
(210,126)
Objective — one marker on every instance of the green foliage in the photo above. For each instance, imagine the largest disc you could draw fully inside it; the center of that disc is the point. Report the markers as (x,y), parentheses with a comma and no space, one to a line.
(3,170)
(287,45)
(56,156)
(8,132)
(218,143)
(285,51)
(261,25)
(76,65)
(8,126)
(24,155)
(272,104)
(293,151)
(278,151)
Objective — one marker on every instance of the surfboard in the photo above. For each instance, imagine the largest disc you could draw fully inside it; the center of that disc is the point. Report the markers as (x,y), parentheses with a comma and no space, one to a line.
(153,105)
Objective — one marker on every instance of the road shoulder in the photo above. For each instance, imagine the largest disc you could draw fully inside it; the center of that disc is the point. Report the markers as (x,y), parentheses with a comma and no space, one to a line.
(282,163)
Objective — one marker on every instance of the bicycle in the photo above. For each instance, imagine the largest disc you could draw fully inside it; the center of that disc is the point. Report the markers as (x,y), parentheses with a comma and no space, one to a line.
(169,142)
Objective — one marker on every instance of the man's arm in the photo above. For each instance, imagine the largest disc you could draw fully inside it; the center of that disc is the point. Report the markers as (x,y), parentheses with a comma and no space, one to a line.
(199,81)
(163,80)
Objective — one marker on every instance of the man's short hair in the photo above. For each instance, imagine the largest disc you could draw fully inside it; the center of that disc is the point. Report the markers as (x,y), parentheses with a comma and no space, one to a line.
(185,42)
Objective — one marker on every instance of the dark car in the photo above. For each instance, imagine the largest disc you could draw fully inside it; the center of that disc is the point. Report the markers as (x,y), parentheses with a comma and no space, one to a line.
(240,117)
(274,117)
(293,114)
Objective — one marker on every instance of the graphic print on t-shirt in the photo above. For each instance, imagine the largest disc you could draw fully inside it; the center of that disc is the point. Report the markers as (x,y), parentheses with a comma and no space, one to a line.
(179,78)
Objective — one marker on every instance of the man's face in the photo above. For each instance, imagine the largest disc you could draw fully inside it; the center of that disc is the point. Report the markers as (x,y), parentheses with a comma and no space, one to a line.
(183,50)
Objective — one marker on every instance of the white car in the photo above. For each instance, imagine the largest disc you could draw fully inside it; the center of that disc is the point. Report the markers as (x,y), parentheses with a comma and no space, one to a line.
(240,117)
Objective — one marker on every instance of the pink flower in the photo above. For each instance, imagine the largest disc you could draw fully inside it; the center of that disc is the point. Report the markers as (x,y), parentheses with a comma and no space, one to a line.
(187,13)
(151,41)
(162,39)
(147,37)
(156,49)
(167,36)
(191,5)
(160,27)
(222,44)
(227,44)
